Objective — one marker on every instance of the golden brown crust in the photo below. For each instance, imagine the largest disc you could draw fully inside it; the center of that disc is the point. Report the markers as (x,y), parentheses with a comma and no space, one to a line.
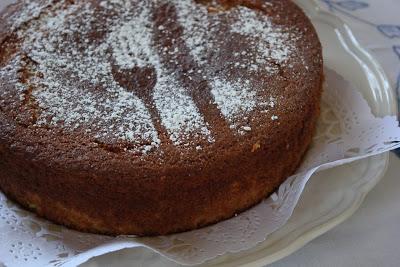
(71,180)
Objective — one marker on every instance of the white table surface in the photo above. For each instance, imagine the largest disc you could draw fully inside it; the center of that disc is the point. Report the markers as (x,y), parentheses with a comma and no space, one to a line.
(371,236)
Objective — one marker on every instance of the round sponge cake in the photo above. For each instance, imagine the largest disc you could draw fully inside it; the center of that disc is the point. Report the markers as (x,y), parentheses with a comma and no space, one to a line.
(153,117)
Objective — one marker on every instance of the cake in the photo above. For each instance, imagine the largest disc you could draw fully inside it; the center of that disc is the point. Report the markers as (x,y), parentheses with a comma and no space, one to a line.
(153,117)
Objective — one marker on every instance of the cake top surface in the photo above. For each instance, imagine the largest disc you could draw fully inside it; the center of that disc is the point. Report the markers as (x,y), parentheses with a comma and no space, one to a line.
(140,76)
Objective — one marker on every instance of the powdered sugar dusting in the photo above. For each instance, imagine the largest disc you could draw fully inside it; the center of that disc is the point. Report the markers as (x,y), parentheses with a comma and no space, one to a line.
(111,115)
(131,43)
(273,42)
(133,47)
(9,76)
(74,49)
(270,45)
(233,98)
(29,9)
(197,26)
(178,112)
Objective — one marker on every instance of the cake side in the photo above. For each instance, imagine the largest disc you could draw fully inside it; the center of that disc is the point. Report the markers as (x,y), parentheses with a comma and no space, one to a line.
(109,186)
(81,201)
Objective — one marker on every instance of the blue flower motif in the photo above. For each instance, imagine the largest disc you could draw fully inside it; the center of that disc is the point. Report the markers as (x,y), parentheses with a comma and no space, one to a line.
(391,31)
(398,90)
(396,49)
(352,5)
(397,151)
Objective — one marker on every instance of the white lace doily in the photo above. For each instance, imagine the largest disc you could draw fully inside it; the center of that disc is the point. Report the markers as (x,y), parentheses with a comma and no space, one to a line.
(347,131)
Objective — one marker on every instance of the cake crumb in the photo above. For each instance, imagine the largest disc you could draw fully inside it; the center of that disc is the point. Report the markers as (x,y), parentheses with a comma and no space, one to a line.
(256,147)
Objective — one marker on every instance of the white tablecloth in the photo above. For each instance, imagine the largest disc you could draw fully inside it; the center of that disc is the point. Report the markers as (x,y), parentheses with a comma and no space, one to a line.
(372,236)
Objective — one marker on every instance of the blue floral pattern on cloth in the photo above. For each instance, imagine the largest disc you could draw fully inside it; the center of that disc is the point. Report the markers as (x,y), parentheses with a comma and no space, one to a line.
(352,5)
(389,31)
(397,50)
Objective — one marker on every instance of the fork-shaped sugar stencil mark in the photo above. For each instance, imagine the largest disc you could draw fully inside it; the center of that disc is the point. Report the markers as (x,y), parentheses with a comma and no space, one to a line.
(188,98)
(134,51)
(141,82)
